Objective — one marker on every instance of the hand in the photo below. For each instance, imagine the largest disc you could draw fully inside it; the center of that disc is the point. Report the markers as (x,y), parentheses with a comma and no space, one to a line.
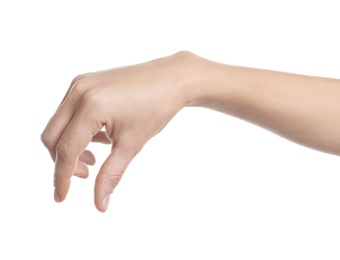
(124,107)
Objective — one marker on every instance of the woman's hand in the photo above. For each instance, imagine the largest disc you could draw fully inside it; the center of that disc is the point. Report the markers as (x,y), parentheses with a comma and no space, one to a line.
(135,103)
(125,107)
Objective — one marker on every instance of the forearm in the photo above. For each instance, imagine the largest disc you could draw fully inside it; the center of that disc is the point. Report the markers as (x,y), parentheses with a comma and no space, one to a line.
(303,109)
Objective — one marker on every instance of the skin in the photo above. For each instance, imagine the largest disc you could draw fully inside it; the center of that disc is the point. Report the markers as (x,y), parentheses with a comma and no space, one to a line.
(127,106)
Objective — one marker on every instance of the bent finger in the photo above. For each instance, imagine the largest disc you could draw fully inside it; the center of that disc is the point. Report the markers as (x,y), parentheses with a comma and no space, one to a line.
(71,145)
(82,170)
(62,117)
(87,157)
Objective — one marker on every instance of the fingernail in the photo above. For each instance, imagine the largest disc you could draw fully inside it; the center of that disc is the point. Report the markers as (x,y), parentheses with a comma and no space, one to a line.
(106,201)
(56,196)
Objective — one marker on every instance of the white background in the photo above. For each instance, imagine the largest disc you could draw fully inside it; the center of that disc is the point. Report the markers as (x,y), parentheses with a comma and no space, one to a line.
(209,186)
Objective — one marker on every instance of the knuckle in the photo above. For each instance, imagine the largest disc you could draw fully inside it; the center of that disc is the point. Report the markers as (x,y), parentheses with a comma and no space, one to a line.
(114,178)
(44,137)
(60,181)
(78,78)
(57,181)
(80,86)
(62,149)
(92,98)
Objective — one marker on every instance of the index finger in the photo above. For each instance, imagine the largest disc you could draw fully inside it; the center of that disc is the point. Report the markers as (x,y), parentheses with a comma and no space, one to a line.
(73,142)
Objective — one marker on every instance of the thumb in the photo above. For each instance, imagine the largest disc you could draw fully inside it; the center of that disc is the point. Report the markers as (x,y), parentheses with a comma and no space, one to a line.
(110,174)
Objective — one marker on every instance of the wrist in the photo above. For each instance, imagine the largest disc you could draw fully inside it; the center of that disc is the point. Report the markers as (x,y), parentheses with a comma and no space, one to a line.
(194,77)
(201,82)
(205,82)
(218,86)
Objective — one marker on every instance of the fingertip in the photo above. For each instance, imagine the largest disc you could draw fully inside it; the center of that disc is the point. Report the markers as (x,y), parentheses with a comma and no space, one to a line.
(56,196)
(104,203)
(102,192)
(87,157)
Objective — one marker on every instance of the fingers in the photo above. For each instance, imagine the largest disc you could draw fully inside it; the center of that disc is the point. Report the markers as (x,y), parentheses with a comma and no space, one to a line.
(54,130)
(64,114)
(56,127)
(87,157)
(70,147)
(76,79)
(110,174)
(81,171)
